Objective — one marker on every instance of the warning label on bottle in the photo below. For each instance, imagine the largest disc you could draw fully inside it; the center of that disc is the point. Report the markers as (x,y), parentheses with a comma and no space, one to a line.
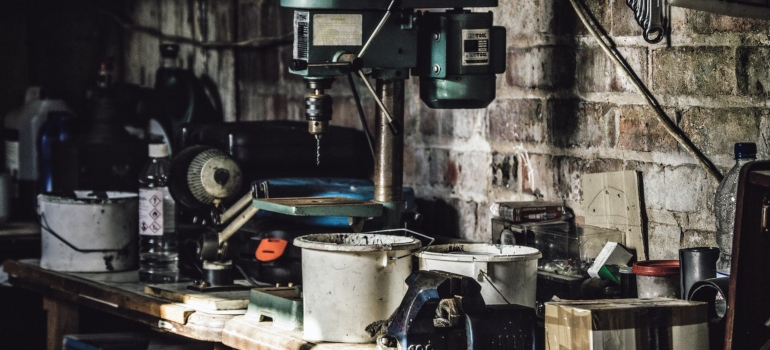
(475,47)
(151,211)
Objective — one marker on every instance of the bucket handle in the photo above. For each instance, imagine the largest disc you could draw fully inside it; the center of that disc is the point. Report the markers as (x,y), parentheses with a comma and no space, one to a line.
(486,276)
(44,225)
(410,231)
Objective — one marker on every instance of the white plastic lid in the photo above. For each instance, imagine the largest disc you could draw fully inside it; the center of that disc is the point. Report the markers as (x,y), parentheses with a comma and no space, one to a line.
(158,150)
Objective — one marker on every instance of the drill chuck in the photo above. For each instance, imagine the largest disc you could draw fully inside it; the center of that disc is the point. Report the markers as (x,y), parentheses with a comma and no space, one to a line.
(318,112)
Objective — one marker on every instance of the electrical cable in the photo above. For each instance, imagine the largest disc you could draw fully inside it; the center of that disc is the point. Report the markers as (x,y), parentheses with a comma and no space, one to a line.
(361,116)
(261,42)
(671,128)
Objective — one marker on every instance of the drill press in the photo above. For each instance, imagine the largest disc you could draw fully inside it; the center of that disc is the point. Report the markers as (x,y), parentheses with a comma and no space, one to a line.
(455,53)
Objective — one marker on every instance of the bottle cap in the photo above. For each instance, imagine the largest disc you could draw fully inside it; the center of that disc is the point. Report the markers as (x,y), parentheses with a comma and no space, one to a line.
(745,150)
(158,150)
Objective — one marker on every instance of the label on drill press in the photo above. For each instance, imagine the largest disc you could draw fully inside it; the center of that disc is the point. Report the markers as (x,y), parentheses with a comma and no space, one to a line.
(475,47)
(156,211)
(301,34)
(337,30)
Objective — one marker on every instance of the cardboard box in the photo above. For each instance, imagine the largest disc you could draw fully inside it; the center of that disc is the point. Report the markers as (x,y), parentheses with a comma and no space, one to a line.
(628,324)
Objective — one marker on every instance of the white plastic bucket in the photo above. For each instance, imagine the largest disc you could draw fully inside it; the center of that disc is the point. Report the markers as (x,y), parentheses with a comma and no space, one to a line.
(350,281)
(88,232)
(505,272)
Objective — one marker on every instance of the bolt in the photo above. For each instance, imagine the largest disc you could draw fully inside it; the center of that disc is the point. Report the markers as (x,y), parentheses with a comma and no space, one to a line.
(437,36)
(385,341)
(429,347)
(436,68)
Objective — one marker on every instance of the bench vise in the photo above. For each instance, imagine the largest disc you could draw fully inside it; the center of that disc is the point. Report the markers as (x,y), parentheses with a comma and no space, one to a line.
(445,311)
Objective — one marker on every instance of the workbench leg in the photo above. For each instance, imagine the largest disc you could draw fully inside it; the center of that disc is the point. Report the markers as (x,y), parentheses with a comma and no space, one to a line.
(63,318)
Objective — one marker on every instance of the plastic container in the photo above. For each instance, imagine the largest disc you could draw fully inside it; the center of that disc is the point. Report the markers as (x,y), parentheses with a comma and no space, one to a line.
(88,232)
(627,282)
(506,273)
(158,255)
(21,136)
(724,205)
(350,281)
(657,278)
(570,253)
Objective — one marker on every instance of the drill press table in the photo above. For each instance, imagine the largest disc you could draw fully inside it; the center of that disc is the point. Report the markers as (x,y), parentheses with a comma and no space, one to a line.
(122,294)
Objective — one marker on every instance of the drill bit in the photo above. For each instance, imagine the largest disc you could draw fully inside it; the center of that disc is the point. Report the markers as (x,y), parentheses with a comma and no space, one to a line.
(318,149)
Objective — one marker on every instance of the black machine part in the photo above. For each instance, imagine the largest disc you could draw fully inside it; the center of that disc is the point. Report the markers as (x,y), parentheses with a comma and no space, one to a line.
(202,176)
(445,311)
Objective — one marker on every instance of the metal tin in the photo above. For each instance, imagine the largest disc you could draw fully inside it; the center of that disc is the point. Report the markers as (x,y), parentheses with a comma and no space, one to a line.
(88,232)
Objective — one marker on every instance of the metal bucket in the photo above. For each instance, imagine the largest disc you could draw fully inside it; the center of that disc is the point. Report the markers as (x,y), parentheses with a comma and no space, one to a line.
(88,232)
(350,281)
(506,273)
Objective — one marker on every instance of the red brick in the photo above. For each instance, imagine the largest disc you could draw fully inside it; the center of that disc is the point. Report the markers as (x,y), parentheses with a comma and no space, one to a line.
(517,121)
(568,177)
(715,131)
(702,71)
(701,22)
(594,166)
(597,73)
(623,22)
(544,67)
(591,125)
(753,71)
(640,130)
(542,168)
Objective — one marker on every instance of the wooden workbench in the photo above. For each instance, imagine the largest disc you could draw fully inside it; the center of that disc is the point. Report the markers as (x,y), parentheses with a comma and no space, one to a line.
(121,294)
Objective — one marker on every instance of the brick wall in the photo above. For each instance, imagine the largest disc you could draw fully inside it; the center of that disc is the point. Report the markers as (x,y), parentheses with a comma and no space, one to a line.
(563,110)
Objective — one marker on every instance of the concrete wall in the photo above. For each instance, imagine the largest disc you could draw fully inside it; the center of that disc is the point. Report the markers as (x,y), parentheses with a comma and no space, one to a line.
(563,110)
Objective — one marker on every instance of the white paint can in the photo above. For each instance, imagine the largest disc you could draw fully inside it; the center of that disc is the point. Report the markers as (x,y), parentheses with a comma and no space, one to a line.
(506,273)
(88,232)
(350,281)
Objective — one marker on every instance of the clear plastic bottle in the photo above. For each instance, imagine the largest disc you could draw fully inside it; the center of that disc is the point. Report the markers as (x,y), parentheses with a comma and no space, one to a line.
(724,205)
(158,255)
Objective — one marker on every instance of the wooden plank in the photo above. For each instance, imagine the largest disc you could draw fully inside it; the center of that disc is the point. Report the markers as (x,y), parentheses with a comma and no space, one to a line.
(242,332)
(178,292)
(31,272)
(218,68)
(142,55)
(20,230)
(119,294)
(63,318)
(611,200)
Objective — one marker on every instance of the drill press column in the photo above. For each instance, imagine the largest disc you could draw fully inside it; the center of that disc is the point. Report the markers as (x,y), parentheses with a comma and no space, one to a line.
(389,153)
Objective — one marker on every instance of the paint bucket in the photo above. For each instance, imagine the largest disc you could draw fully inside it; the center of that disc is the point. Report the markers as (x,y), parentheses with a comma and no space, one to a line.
(88,232)
(657,278)
(506,273)
(350,281)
